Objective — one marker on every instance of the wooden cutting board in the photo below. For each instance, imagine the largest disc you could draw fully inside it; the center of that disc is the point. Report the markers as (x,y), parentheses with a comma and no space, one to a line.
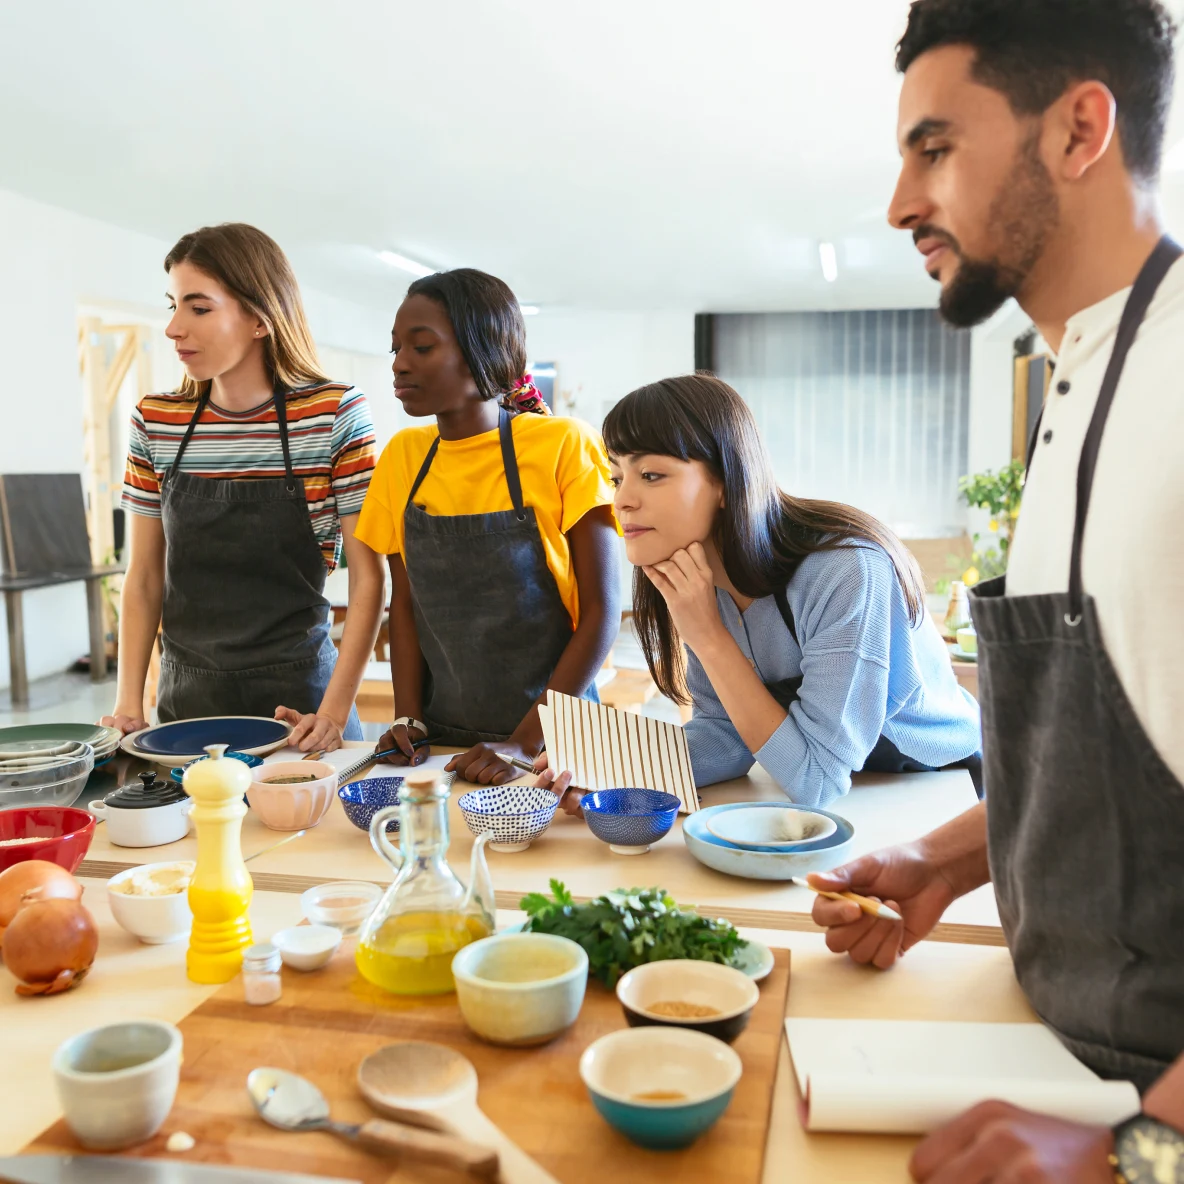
(327,1021)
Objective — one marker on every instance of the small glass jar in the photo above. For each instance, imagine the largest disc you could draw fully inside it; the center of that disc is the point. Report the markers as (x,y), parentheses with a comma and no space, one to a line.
(261,974)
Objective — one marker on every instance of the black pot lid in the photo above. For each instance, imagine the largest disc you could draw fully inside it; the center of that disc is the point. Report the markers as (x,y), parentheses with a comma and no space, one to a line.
(149,791)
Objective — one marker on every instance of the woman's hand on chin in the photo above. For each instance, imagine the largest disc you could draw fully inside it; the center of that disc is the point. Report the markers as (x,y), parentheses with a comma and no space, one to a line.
(687,585)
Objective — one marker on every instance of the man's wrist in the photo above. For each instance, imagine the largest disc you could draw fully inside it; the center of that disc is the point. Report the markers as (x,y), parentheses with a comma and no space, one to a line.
(410,721)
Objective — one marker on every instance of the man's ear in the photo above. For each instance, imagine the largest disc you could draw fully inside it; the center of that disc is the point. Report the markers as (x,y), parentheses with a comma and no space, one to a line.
(1083,121)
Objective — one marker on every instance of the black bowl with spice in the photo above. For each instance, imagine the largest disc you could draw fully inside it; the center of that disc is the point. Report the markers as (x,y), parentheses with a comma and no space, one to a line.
(705,996)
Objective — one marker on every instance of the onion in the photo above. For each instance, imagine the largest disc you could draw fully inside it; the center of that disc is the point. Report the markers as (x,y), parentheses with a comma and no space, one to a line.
(50,946)
(47,879)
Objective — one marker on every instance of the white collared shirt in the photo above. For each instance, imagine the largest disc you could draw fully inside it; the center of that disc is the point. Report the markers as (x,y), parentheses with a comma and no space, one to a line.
(1133,551)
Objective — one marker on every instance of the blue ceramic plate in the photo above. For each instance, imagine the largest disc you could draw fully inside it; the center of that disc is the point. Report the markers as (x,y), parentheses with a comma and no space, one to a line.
(751,864)
(186,740)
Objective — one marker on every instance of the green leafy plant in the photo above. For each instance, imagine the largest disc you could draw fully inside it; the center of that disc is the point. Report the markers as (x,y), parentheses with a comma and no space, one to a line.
(999,492)
(624,929)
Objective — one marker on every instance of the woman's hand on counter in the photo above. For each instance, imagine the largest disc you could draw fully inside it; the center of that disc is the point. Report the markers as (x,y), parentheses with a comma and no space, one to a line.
(312,732)
(687,584)
(483,765)
(405,739)
(125,722)
(560,785)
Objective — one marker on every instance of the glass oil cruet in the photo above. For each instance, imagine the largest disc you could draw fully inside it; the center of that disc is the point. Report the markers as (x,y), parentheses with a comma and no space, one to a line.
(427,914)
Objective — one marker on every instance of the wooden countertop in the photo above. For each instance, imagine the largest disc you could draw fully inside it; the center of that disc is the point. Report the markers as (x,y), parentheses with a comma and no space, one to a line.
(936,981)
(884,809)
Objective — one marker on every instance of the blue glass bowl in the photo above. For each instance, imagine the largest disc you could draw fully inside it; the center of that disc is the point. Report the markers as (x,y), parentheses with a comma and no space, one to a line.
(629,820)
(361,800)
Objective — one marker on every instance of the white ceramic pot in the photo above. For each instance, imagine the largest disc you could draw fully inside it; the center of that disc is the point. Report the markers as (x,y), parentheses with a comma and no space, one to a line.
(150,826)
(116,1084)
(150,814)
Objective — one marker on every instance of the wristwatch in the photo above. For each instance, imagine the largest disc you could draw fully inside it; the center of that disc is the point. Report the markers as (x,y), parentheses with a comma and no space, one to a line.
(411,722)
(1147,1151)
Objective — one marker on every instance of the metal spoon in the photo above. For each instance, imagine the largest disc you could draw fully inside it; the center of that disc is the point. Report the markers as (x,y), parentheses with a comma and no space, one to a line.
(293,1103)
(436,1086)
(273,846)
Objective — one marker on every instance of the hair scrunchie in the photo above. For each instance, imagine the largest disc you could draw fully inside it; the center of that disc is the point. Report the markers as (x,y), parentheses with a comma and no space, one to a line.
(526,397)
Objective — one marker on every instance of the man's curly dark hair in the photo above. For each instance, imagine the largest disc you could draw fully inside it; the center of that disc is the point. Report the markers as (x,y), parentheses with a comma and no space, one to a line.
(1032,51)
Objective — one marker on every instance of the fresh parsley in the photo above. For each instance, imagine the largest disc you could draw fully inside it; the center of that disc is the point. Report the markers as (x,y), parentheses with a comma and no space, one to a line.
(623,929)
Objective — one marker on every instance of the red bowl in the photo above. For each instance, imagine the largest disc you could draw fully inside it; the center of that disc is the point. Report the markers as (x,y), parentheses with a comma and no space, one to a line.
(64,835)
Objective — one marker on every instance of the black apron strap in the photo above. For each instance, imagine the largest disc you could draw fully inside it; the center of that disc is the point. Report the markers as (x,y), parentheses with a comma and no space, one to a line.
(510,461)
(201,406)
(281,414)
(423,469)
(786,613)
(1032,441)
(1146,285)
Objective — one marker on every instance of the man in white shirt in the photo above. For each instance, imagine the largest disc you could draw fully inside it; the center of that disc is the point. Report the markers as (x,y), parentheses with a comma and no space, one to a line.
(1031,133)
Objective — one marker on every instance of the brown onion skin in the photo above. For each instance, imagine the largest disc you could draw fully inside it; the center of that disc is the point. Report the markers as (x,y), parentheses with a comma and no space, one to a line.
(47,880)
(50,946)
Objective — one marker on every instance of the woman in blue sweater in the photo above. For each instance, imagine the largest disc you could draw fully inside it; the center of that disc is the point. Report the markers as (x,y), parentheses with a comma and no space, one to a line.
(808,647)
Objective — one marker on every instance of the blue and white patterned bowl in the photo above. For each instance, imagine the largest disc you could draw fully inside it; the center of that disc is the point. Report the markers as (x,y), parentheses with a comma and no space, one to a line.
(514,814)
(361,800)
(629,820)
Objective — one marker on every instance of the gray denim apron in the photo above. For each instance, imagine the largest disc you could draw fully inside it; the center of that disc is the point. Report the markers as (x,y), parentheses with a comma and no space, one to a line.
(245,622)
(1085,821)
(492,625)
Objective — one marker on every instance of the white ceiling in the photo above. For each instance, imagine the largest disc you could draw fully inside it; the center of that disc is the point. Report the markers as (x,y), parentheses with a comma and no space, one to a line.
(680,154)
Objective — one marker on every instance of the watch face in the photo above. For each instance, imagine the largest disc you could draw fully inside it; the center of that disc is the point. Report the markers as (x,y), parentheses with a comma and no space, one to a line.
(1148,1152)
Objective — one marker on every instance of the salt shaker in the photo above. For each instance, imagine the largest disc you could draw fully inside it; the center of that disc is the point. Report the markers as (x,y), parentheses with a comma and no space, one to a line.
(261,974)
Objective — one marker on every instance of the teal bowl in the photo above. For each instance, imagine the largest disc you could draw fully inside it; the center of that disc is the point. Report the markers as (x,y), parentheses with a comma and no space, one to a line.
(660,1087)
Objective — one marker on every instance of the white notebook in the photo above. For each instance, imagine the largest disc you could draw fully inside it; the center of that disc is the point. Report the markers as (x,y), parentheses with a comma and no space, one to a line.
(609,749)
(906,1077)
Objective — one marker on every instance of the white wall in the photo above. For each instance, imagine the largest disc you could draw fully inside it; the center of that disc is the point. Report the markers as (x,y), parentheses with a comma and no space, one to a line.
(52,264)
(602,354)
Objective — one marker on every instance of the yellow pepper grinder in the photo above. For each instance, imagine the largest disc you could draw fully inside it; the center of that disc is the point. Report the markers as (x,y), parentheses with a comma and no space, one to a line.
(221,889)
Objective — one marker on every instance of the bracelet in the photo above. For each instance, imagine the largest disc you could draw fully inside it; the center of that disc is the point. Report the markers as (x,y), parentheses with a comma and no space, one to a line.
(411,722)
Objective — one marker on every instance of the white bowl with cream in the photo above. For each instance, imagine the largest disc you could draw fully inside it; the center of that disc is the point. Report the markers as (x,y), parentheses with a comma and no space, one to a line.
(152,901)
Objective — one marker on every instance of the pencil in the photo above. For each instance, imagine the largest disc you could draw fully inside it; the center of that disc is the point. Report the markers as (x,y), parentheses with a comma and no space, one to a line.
(516,761)
(873,908)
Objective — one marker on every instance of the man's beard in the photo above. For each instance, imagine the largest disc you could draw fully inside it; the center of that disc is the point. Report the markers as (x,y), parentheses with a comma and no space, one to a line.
(1024,214)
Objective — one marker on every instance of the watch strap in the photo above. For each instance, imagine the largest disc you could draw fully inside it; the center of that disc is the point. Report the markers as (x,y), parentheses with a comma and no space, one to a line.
(411,722)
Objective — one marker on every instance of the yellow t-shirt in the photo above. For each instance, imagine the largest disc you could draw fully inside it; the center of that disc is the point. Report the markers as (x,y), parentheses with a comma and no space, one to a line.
(561,462)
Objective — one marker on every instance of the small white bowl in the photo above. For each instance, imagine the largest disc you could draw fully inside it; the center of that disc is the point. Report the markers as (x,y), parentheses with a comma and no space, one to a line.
(771,826)
(520,989)
(307,947)
(729,992)
(343,904)
(155,920)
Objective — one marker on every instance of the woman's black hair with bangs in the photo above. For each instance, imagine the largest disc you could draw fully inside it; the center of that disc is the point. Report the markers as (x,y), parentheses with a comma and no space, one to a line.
(762,533)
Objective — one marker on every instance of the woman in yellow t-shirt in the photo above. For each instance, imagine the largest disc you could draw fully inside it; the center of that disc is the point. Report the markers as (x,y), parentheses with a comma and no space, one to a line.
(497,524)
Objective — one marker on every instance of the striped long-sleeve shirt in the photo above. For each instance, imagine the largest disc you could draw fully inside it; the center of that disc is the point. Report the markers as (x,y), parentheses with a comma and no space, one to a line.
(330,435)
(866,672)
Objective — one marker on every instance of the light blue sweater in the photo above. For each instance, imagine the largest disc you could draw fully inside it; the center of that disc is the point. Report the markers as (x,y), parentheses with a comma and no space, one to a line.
(865,671)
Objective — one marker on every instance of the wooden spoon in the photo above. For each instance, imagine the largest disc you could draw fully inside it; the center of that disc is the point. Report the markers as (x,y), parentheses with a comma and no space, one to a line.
(433,1085)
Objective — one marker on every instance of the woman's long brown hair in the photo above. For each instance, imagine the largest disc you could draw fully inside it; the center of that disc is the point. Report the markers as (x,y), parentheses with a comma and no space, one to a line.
(762,533)
(251,266)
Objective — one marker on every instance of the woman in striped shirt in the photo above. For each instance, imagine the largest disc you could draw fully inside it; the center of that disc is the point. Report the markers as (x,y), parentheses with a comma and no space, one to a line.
(241,488)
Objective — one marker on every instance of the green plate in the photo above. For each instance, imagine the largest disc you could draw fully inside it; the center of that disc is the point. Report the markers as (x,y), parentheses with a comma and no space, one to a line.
(95,735)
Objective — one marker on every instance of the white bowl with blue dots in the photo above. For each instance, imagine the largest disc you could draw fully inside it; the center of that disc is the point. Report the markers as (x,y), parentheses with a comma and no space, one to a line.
(514,814)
